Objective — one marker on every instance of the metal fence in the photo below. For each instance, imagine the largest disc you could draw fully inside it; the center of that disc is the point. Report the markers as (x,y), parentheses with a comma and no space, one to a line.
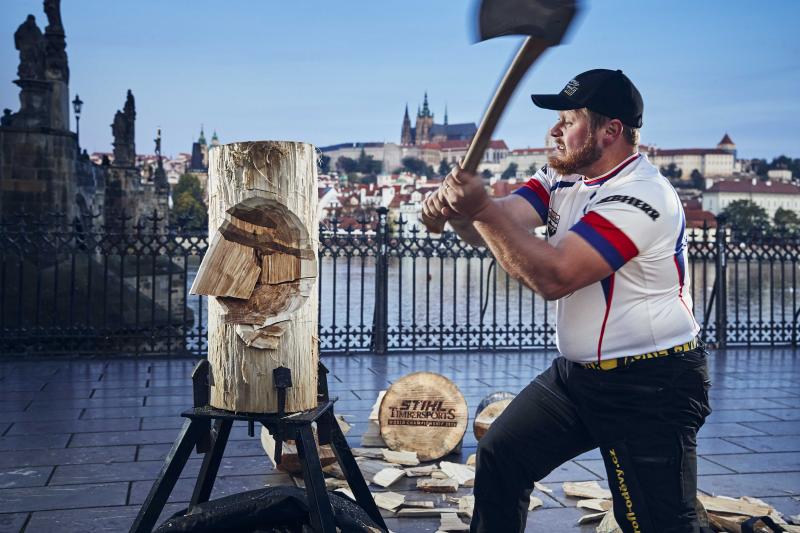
(384,286)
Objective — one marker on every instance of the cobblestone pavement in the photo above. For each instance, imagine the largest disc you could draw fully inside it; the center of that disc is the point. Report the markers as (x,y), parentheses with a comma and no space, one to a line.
(81,440)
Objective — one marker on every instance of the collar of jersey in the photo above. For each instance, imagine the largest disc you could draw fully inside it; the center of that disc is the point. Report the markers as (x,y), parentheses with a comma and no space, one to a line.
(599,180)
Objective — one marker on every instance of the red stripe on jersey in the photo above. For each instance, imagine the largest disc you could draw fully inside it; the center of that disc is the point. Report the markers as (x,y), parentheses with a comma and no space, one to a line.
(615,237)
(536,186)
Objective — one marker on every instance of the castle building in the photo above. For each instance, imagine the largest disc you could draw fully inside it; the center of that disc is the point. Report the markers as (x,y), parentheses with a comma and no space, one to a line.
(426,131)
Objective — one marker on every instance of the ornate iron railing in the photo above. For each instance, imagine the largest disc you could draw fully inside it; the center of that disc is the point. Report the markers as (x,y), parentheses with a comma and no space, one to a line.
(384,286)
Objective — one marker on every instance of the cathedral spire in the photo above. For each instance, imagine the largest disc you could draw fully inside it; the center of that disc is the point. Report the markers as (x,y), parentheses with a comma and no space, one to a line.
(445,115)
(426,111)
(202,139)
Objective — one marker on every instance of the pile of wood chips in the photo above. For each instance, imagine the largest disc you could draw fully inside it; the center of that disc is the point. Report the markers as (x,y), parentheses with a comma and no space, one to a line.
(438,482)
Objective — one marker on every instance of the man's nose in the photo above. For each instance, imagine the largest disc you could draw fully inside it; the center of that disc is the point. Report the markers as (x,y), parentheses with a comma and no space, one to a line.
(555,131)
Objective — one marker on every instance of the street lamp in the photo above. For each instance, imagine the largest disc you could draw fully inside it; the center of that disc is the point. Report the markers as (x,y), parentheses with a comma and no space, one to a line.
(76,107)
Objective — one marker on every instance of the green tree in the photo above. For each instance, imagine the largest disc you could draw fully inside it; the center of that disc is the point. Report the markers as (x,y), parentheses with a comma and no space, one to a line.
(324,164)
(672,172)
(415,166)
(510,172)
(745,216)
(188,203)
(698,180)
(786,220)
(346,165)
(444,168)
(533,169)
(367,164)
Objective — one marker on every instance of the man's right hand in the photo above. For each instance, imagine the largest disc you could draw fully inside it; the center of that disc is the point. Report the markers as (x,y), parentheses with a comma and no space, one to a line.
(435,212)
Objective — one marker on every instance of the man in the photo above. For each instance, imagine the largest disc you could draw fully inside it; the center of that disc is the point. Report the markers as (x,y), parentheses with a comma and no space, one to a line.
(630,378)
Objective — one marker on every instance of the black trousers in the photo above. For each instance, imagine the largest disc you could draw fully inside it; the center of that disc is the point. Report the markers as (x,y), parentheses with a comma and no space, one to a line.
(643,417)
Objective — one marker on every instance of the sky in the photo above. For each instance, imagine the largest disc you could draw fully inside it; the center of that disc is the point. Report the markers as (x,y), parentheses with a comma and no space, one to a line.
(332,72)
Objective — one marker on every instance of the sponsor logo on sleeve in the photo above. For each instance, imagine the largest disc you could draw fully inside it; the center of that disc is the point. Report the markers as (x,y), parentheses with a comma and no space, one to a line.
(552,222)
(630,200)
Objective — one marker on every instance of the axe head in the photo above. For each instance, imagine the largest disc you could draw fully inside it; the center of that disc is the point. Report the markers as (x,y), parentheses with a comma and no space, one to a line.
(543,19)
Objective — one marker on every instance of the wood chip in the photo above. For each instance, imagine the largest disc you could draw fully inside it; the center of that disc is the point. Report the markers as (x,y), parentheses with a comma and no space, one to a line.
(451,522)
(465,475)
(438,474)
(421,504)
(332,483)
(373,414)
(585,489)
(424,513)
(593,517)
(419,471)
(437,485)
(372,435)
(389,500)
(608,525)
(370,467)
(543,488)
(466,504)
(346,492)
(722,504)
(534,503)
(472,459)
(369,453)
(595,504)
(387,476)
(400,457)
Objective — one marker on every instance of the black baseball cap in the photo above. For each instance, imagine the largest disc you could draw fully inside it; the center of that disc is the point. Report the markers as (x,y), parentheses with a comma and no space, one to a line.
(608,92)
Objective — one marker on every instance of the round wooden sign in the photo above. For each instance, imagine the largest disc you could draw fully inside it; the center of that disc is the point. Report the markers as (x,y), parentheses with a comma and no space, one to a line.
(425,413)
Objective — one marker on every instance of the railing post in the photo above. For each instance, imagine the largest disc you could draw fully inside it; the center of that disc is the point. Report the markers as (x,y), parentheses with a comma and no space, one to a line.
(721,286)
(380,323)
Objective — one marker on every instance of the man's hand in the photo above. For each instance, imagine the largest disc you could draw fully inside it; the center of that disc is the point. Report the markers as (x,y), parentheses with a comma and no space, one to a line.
(464,193)
(435,211)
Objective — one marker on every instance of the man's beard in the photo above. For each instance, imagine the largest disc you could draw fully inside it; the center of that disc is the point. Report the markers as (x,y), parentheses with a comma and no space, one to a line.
(570,162)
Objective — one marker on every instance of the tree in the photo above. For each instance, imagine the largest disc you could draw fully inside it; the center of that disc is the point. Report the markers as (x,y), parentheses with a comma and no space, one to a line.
(486,174)
(745,216)
(698,180)
(324,164)
(367,164)
(188,203)
(444,168)
(510,172)
(672,172)
(533,169)
(346,165)
(786,220)
(415,166)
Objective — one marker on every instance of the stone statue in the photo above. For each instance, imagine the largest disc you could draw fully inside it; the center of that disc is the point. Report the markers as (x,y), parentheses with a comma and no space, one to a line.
(6,119)
(123,129)
(30,42)
(56,63)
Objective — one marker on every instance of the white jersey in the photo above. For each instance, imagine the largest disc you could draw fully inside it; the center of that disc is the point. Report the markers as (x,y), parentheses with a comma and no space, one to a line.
(633,217)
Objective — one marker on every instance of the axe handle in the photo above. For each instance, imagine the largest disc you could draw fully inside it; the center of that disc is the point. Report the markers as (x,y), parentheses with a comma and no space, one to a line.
(528,53)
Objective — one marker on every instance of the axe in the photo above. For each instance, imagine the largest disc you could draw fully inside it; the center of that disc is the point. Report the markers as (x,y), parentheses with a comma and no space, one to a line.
(544,22)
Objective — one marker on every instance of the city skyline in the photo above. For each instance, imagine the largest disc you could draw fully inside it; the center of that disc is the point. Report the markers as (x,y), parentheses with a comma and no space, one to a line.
(251,71)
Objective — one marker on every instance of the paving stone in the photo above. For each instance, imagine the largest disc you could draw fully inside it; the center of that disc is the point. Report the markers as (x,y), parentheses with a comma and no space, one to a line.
(40,415)
(62,497)
(791,427)
(234,448)
(74,426)
(748,403)
(740,415)
(96,520)
(141,392)
(184,401)
(33,442)
(789,506)
(726,430)
(757,485)
(86,402)
(704,467)
(787,402)
(570,471)
(13,522)
(561,519)
(714,446)
(132,412)
(223,486)
(102,473)
(760,462)
(784,443)
(152,436)
(783,414)
(64,456)
(26,476)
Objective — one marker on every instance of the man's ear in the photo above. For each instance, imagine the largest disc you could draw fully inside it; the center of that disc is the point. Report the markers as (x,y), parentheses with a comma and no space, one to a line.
(612,130)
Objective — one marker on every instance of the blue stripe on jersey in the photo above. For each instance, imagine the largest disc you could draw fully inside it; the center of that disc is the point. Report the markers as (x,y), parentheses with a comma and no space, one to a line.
(606,284)
(561,185)
(533,198)
(609,253)
(679,247)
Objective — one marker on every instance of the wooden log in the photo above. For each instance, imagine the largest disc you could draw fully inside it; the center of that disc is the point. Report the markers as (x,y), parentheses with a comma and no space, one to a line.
(488,410)
(262,196)
(290,459)
(228,269)
(423,412)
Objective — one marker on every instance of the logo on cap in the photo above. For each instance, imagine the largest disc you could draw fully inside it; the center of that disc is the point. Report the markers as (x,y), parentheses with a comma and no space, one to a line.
(571,87)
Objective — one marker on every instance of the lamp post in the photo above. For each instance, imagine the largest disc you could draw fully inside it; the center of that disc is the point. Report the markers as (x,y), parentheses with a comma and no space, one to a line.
(76,107)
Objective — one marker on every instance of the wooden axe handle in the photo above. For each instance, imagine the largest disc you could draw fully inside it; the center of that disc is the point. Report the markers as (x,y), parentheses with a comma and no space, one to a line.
(528,53)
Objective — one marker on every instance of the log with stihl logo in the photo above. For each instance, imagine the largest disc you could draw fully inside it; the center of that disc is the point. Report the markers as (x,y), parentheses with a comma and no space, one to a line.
(431,413)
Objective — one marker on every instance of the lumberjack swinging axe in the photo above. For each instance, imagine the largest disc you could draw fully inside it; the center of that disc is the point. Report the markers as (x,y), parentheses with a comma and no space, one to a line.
(544,22)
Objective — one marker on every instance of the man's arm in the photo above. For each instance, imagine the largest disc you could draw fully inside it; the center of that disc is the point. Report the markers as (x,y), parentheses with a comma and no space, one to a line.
(516,208)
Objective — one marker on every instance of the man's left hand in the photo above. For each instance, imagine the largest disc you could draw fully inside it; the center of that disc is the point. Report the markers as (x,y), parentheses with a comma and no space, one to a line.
(465,193)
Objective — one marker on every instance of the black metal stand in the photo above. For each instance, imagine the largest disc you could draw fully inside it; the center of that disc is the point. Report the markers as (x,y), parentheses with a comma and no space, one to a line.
(198,432)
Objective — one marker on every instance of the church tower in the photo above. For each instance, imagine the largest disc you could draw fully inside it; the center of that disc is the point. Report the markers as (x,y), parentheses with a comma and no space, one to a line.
(424,123)
(728,145)
(405,135)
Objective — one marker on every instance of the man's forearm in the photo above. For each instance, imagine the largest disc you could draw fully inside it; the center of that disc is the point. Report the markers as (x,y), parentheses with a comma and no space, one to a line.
(523,256)
(467,232)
